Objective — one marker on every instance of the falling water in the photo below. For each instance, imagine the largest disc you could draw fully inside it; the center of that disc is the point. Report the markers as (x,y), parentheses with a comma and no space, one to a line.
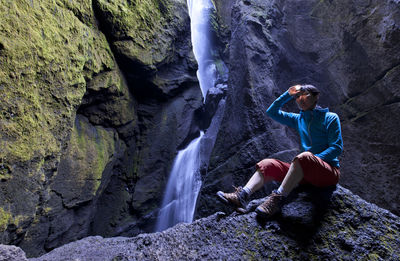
(182,189)
(199,12)
(184,181)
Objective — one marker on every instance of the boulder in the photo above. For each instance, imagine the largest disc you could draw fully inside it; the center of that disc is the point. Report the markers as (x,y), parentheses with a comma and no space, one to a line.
(11,253)
(324,225)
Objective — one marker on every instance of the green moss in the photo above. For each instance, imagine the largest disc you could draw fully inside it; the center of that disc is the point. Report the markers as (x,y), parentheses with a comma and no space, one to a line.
(5,218)
(219,18)
(107,80)
(91,147)
(389,237)
(105,146)
(373,257)
(138,19)
(221,68)
(141,27)
(224,230)
(47,210)
(81,9)
(4,175)
(4,170)
(47,55)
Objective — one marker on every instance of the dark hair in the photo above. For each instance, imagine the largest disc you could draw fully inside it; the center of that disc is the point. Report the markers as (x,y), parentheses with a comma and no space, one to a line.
(309,88)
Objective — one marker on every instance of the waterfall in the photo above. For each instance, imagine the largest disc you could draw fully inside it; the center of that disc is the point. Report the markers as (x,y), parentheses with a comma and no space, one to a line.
(199,12)
(182,189)
(184,181)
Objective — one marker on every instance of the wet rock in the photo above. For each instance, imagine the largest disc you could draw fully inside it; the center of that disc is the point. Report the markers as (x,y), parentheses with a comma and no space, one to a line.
(108,102)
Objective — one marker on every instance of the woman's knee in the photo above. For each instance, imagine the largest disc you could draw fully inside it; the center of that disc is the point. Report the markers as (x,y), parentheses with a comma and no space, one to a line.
(306,155)
(265,163)
(302,159)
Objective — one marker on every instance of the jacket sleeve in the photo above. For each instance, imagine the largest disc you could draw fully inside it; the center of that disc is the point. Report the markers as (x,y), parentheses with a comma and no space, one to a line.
(275,112)
(335,141)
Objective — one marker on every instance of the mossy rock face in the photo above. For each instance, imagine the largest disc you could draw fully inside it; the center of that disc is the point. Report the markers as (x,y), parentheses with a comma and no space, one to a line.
(49,52)
(221,23)
(57,68)
(84,172)
(107,101)
(151,41)
(141,28)
(4,219)
(81,168)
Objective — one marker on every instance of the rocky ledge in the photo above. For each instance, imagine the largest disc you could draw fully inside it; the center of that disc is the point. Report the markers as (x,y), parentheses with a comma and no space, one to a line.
(313,225)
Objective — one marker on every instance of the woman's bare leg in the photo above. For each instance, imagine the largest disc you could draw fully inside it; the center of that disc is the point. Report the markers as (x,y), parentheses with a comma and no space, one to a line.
(256,182)
(292,178)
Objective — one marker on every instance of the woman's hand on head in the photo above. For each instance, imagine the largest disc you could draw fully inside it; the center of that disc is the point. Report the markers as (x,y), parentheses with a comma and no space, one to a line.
(293,90)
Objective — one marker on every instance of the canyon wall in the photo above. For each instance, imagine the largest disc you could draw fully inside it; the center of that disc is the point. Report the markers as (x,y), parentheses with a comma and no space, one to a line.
(350,51)
(98,96)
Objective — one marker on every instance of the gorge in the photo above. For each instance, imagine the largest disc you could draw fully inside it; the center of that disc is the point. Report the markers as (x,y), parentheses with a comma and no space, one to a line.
(184,181)
(98,97)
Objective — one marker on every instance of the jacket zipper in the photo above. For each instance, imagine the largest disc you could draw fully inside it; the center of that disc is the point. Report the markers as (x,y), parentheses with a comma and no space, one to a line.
(309,128)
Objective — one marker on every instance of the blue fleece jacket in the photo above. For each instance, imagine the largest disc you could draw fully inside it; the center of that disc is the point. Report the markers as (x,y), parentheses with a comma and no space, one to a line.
(319,129)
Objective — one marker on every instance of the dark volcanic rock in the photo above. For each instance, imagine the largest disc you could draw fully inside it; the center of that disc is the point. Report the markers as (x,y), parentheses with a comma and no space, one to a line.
(346,228)
(49,53)
(151,44)
(96,97)
(346,48)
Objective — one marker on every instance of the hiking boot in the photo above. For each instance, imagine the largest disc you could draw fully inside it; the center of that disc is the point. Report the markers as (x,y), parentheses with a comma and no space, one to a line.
(270,206)
(237,199)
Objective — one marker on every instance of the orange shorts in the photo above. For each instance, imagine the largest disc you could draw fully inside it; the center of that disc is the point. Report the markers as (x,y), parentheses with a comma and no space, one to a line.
(316,171)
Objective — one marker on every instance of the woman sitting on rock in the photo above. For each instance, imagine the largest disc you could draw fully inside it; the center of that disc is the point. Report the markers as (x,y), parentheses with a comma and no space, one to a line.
(318,164)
